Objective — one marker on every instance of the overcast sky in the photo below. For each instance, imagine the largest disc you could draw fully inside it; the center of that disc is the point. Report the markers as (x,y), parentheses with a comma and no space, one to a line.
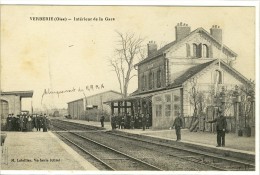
(60,55)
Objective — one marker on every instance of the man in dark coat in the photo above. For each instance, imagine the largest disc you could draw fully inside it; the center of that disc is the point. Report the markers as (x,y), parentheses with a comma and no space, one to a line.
(44,123)
(102,119)
(39,122)
(113,122)
(221,129)
(9,122)
(178,125)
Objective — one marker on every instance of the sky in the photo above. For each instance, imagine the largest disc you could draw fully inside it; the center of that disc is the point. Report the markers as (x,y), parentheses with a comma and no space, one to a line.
(62,55)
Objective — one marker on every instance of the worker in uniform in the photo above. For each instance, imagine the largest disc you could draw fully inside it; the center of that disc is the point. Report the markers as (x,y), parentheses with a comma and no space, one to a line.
(132,122)
(136,120)
(102,119)
(39,123)
(113,122)
(177,124)
(119,121)
(44,123)
(221,123)
(21,122)
(125,121)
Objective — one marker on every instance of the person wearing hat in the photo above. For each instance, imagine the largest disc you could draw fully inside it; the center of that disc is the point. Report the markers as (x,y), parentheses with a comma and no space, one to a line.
(221,129)
(102,119)
(9,122)
(44,123)
(177,124)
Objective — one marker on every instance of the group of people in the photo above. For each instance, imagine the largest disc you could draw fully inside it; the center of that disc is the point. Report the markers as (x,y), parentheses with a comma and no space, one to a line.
(26,122)
(127,121)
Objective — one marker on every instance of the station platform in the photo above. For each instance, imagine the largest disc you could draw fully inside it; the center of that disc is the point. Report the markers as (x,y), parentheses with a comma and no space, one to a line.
(234,143)
(40,151)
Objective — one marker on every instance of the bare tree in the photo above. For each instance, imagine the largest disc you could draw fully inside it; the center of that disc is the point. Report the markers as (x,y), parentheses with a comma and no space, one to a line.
(129,47)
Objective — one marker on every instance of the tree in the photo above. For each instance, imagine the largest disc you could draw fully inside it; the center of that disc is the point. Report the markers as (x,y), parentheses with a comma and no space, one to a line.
(129,48)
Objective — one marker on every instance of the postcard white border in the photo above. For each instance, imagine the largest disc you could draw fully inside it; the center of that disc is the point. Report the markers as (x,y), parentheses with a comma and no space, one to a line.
(231,3)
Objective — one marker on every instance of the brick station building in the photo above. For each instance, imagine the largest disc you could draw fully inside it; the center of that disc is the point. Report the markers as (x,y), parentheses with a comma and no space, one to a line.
(196,61)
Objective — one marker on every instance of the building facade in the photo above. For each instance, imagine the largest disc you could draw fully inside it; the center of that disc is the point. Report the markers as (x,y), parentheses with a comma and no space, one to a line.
(187,77)
(77,108)
(11,103)
(195,62)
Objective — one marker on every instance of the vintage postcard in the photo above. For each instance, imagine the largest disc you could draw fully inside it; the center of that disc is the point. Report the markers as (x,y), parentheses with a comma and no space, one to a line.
(97,88)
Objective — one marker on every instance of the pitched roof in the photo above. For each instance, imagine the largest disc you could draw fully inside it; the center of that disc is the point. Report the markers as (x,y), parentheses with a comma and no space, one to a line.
(98,94)
(196,69)
(189,73)
(174,43)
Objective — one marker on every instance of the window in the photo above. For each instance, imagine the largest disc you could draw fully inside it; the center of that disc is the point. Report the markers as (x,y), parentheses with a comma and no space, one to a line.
(151,84)
(176,109)
(205,51)
(168,98)
(218,77)
(158,99)
(143,83)
(159,78)
(195,50)
(153,80)
(176,98)
(168,109)
(188,50)
(158,110)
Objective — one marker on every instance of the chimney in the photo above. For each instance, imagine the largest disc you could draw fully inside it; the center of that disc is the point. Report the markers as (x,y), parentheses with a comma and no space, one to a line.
(181,31)
(151,47)
(216,32)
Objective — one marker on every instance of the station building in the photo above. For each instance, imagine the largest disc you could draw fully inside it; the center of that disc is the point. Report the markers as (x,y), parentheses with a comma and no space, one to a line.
(77,108)
(197,61)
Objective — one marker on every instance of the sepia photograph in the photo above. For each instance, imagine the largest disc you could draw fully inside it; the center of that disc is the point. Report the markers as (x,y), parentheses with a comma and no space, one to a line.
(139,88)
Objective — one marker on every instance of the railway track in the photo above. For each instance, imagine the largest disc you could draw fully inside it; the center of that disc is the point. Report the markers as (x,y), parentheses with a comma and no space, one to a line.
(211,161)
(110,158)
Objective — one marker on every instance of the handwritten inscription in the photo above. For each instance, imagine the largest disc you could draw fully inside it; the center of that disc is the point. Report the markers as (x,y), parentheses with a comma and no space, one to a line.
(79,89)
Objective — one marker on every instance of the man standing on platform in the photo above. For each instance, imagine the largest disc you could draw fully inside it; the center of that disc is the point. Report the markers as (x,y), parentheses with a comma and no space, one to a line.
(102,119)
(221,129)
(177,124)
(113,122)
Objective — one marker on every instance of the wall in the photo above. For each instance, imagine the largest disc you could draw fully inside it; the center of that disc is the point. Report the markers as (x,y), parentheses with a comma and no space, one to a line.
(76,109)
(98,100)
(14,103)
(205,81)
(180,61)
(170,104)
(151,67)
